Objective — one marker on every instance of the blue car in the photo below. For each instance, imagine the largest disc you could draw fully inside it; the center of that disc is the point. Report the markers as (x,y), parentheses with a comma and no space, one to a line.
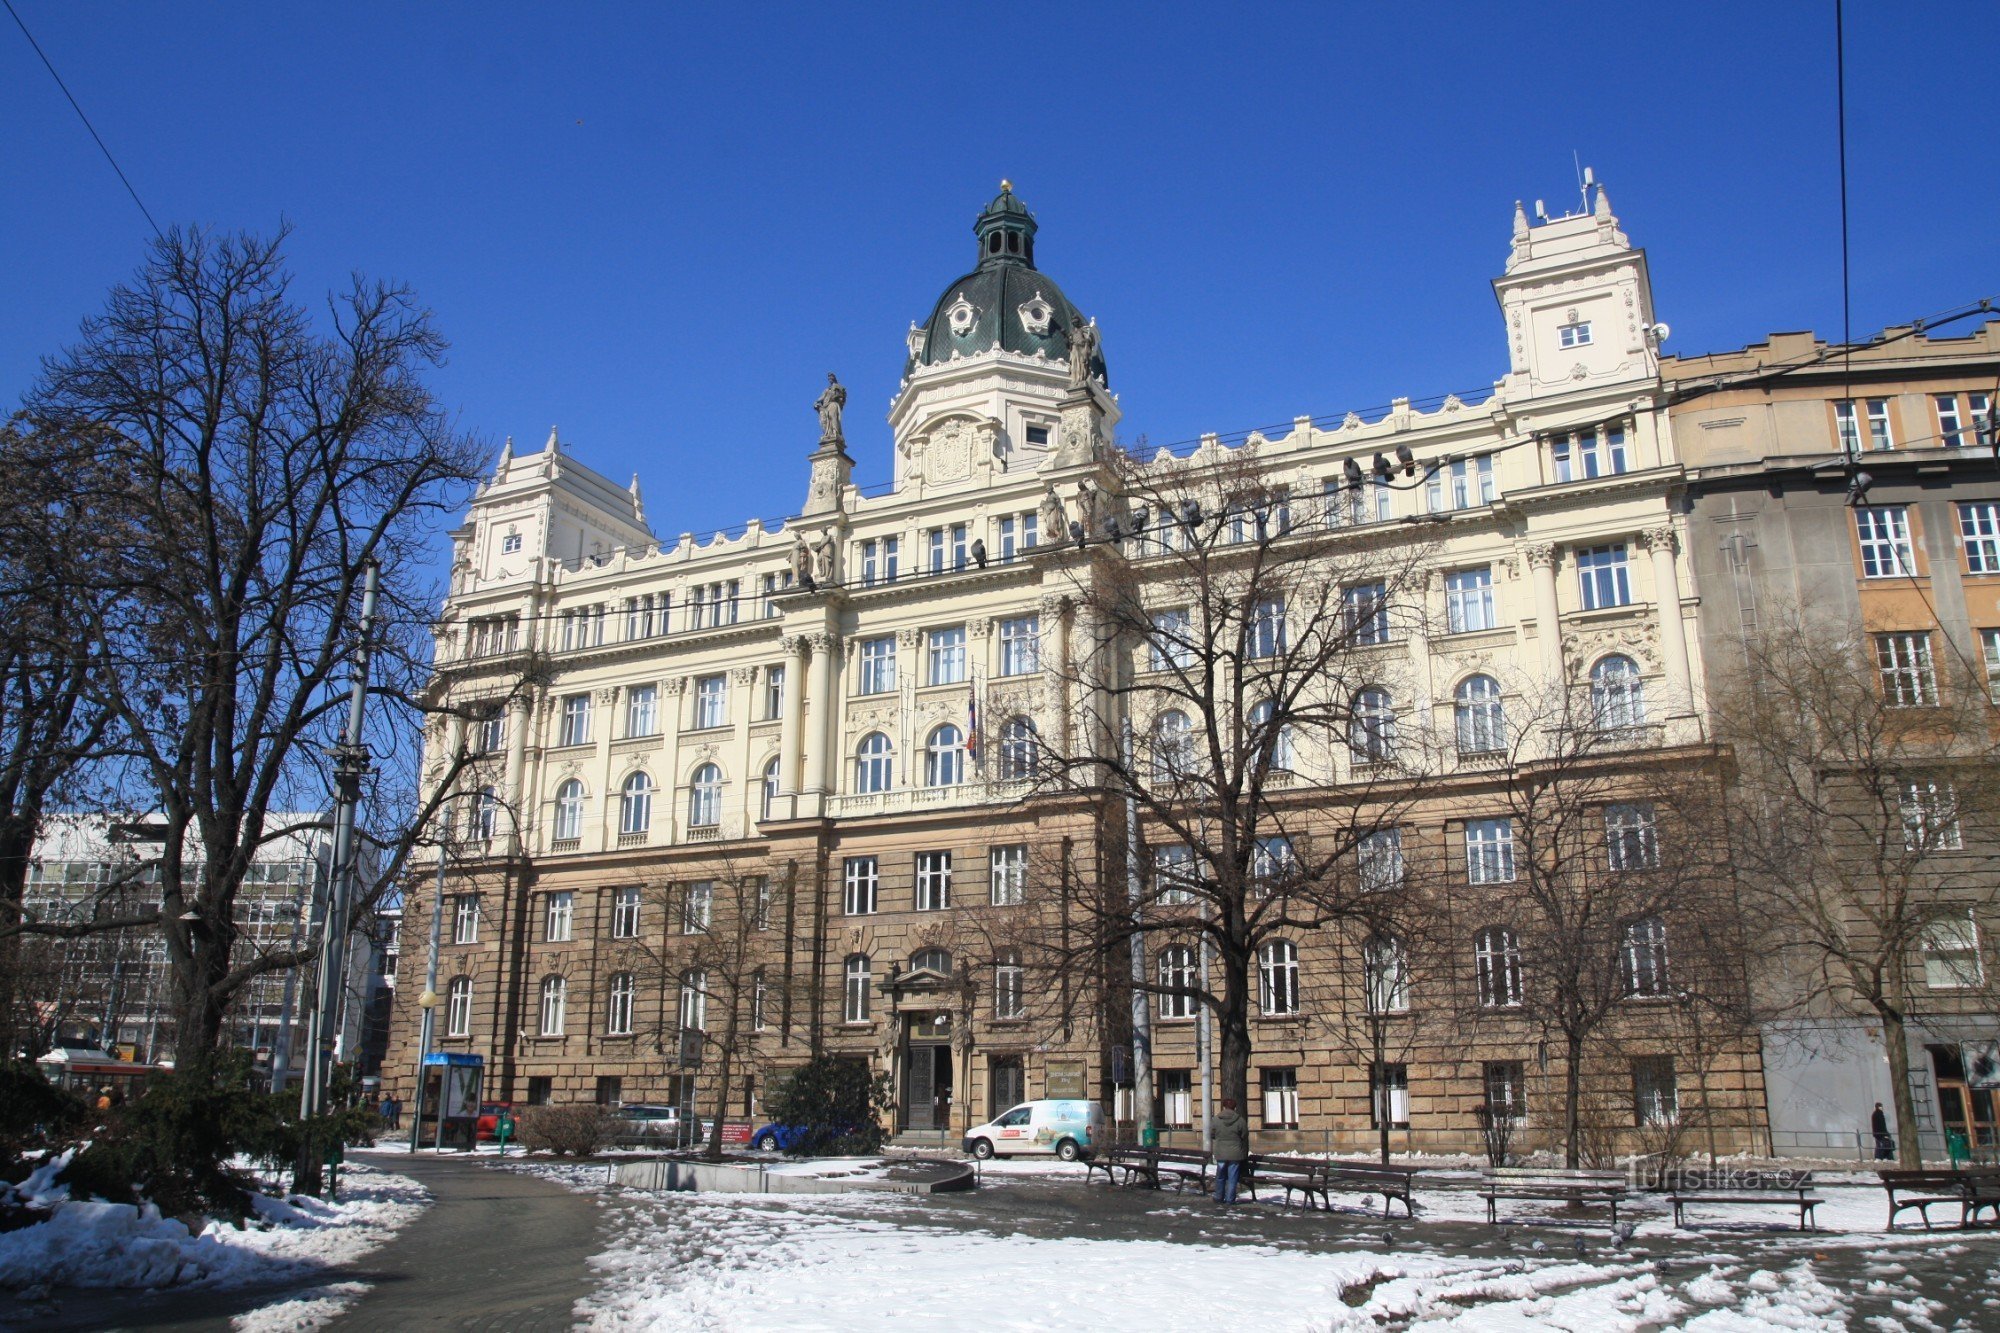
(781,1138)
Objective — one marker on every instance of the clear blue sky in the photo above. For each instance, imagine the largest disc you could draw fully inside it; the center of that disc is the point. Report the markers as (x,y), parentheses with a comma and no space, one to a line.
(660,226)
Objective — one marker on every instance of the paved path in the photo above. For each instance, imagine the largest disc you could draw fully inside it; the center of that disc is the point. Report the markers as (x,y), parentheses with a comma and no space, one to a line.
(497,1250)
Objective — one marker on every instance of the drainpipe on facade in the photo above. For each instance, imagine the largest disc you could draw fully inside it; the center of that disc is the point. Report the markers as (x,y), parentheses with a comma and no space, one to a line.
(1142,1011)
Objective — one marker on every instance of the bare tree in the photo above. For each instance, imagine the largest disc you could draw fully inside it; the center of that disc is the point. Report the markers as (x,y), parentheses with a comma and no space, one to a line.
(263,460)
(1865,838)
(1244,639)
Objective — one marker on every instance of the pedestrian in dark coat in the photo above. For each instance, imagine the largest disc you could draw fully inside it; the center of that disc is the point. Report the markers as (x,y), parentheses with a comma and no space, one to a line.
(1229,1143)
(1878,1125)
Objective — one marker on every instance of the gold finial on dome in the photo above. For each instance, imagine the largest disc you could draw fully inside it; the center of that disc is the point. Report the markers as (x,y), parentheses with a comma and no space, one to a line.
(1006,187)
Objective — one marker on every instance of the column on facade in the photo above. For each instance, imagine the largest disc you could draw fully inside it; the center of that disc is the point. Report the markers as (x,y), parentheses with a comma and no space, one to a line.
(520,717)
(1548,622)
(672,691)
(820,710)
(1423,687)
(742,708)
(604,727)
(791,729)
(1055,664)
(1667,605)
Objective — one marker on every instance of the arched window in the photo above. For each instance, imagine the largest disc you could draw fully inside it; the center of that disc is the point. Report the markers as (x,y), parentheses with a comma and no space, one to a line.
(1386,974)
(1371,728)
(694,1000)
(874,763)
(635,805)
(931,960)
(485,814)
(555,1005)
(705,797)
(1496,960)
(859,985)
(1482,721)
(1177,982)
(1173,746)
(1278,978)
(944,757)
(618,1009)
(569,811)
(1642,957)
(1020,747)
(1617,695)
(1260,721)
(770,787)
(458,1007)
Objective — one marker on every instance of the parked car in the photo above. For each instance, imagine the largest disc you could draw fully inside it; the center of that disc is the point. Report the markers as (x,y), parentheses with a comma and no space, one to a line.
(487,1127)
(651,1123)
(783,1138)
(1069,1129)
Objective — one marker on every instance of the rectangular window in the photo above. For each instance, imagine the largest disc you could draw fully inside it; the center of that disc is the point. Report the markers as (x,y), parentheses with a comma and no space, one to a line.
(1632,835)
(574,728)
(947,656)
(1908,680)
(773,584)
(510,544)
(1272,862)
(489,734)
(458,1008)
(1171,644)
(618,1013)
(540,1089)
(1381,859)
(1391,1083)
(1266,630)
(933,881)
(1846,427)
(1589,453)
(1009,869)
(698,907)
(774,693)
(1654,1100)
(878,665)
(861,882)
(1463,484)
(1982,414)
(465,919)
(625,914)
(1573,335)
(1989,647)
(559,918)
(1009,1001)
(1489,851)
(1017,535)
(1884,531)
(610,1087)
(642,710)
(1930,817)
(854,1006)
(1468,600)
(645,616)
(1951,954)
(1020,645)
(1281,1099)
(878,560)
(1878,424)
(1173,875)
(1366,606)
(1176,1099)
(1979,525)
(1849,427)
(948,548)
(710,701)
(761,897)
(1505,1085)
(1603,576)
(1951,428)
(1642,958)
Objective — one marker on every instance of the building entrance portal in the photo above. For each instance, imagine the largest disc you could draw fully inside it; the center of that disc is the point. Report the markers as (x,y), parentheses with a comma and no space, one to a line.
(927,1072)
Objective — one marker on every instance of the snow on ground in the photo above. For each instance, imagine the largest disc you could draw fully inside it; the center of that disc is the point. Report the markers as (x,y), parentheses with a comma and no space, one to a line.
(750,1262)
(94,1244)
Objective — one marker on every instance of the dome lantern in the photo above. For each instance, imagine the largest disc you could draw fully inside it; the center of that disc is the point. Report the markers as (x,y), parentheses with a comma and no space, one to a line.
(1006,231)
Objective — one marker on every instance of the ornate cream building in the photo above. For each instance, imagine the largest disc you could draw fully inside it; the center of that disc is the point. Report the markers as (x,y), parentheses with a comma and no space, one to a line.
(779,717)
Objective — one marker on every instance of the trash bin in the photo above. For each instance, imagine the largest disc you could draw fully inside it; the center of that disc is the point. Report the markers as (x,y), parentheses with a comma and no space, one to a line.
(1957,1148)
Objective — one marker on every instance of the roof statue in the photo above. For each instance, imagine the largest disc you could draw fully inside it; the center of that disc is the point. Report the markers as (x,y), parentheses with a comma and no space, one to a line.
(829,405)
(1085,345)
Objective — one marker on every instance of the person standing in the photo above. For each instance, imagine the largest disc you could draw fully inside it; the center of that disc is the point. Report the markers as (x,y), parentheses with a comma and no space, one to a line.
(1885,1146)
(1229,1142)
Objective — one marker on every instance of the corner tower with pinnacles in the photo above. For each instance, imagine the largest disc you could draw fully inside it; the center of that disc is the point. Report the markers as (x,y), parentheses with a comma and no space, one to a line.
(787,782)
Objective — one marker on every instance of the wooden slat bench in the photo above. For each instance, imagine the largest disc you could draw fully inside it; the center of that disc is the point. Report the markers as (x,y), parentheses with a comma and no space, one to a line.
(1127,1157)
(1186,1165)
(1972,1190)
(1316,1176)
(1576,1188)
(1792,1189)
(1301,1175)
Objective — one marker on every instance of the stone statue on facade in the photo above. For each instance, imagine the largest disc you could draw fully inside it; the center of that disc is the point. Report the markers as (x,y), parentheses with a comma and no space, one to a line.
(1054,522)
(829,405)
(1084,347)
(801,563)
(822,565)
(1086,506)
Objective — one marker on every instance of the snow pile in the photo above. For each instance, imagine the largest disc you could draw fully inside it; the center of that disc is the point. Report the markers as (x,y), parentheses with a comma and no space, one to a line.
(94,1244)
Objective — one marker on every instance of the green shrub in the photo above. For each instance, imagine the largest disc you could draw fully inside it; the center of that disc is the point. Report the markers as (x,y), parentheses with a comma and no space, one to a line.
(577,1130)
(173,1145)
(35,1115)
(837,1103)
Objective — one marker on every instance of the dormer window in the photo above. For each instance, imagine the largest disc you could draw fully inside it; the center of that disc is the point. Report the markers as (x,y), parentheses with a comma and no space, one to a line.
(510,544)
(1038,436)
(1574,334)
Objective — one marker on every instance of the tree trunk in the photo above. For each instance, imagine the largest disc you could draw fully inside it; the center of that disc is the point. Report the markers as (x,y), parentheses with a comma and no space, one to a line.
(714,1150)
(1378,1089)
(1233,1075)
(1572,1101)
(1895,1044)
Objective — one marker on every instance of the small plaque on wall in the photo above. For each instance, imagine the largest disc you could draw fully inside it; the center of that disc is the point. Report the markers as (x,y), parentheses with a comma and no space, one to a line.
(1063,1080)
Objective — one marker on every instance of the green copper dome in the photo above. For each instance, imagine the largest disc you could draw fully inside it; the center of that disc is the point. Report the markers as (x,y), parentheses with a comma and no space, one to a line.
(1006,302)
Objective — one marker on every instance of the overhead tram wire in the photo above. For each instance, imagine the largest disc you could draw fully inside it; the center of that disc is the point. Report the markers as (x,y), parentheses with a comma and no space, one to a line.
(102,147)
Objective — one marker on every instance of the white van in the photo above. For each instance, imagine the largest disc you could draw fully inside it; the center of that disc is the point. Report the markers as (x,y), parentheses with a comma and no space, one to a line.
(1069,1129)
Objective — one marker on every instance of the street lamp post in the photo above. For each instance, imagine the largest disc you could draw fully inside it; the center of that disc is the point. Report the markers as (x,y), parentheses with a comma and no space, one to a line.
(427,1002)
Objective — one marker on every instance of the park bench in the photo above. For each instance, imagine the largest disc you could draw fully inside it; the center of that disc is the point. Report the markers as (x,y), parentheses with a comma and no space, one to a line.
(1314,1176)
(1972,1190)
(1186,1165)
(1578,1189)
(1127,1157)
(1735,1188)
